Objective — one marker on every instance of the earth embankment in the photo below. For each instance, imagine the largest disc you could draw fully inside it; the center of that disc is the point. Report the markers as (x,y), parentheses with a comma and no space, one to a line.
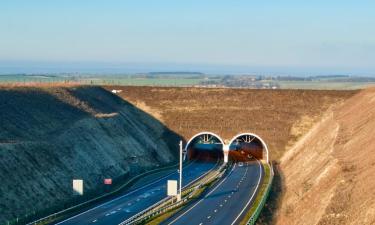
(280,117)
(329,175)
(51,135)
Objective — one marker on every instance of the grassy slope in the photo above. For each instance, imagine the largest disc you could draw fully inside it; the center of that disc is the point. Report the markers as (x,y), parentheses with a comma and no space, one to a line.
(278,116)
(49,136)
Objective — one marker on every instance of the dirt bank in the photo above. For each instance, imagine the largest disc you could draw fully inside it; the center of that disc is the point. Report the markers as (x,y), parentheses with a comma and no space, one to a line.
(51,135)
(279,116)
(329,175)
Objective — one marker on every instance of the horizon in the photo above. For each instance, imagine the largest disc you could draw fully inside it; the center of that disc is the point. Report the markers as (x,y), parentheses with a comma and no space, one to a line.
(106,68)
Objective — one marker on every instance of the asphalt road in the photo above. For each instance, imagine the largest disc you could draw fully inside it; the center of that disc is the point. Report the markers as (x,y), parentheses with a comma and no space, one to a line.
(227,202)
(119,209)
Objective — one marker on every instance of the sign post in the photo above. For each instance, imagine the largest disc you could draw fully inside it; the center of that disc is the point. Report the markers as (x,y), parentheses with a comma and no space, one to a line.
(108,181)
(172,188)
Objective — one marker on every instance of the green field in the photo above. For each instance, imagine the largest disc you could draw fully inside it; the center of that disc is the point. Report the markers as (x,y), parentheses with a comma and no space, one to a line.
(143,81)
(38,79)
(179,80)
(106,80)
(324,85)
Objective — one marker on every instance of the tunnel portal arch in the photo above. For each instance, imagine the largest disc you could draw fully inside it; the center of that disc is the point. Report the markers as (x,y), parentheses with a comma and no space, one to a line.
(192,139)
(249,137)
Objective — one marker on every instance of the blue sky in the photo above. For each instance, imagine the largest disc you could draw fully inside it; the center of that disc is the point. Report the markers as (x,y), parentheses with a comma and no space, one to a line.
(208,35)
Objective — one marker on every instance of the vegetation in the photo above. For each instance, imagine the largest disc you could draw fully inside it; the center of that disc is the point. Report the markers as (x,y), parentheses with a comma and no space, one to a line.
(269,113)
(183,79)
(47,135)
(260,195)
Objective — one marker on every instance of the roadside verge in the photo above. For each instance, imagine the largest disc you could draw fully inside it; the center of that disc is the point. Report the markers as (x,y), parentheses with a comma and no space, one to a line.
(253,213)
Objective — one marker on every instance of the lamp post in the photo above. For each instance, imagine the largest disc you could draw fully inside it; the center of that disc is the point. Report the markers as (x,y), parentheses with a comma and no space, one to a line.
(180,173)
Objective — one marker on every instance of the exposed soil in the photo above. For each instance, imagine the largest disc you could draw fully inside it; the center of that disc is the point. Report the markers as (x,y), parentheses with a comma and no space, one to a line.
(55,134)
(280,117)
(329,175)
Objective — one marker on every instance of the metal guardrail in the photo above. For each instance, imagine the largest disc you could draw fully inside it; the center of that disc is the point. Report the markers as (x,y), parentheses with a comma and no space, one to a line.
(78,206)
(167,203)
(261,204)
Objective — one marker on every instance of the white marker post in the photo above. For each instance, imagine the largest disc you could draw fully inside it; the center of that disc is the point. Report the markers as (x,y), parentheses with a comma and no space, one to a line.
(78,187)
(180,172)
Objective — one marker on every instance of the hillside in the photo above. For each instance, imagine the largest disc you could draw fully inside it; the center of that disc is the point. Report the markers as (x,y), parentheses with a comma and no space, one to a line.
(329,175)
(280,117)
(51,135)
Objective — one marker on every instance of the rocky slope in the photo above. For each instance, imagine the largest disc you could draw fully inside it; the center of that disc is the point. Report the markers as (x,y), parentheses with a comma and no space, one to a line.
(329,175)
(51,135)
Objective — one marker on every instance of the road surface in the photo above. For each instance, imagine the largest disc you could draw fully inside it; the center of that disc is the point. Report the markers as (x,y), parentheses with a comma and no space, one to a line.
(119,209)
(227,202)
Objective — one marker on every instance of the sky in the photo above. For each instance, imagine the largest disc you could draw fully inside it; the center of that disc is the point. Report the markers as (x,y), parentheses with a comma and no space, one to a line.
(214,36)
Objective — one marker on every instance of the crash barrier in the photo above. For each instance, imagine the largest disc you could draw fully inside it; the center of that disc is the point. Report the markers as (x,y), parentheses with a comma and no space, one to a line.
(168,203)
(83,205)
(253,218)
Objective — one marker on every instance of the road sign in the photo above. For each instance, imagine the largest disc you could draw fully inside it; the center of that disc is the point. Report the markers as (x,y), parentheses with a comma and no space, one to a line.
(78,187)
(172,188)
(108,181)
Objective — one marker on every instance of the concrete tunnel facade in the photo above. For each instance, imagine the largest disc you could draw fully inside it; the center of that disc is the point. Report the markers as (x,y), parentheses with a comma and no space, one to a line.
(244,140)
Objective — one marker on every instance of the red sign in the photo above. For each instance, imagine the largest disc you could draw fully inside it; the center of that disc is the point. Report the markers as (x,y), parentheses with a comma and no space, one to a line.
(108,181)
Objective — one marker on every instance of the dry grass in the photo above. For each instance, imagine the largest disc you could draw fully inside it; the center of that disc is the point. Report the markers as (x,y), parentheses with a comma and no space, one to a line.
(329,175)
(281,117)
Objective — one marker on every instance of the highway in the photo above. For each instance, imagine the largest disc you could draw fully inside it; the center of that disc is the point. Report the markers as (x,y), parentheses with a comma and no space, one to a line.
(121,208)
(227,202)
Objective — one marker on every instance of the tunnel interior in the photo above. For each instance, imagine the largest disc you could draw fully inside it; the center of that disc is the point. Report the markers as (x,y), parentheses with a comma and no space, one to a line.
(245,148)
(205,147)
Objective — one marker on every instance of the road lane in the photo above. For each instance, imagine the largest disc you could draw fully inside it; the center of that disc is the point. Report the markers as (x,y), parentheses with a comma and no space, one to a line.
(226,202)
(123,207)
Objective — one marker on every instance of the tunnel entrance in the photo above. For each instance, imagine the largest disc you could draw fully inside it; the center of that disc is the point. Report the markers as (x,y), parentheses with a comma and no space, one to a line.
(205,146)
(247,147)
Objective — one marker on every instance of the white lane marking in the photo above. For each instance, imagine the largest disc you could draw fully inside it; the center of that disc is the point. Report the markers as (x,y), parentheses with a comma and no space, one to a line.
(202,198)
(252,196)
(118,198)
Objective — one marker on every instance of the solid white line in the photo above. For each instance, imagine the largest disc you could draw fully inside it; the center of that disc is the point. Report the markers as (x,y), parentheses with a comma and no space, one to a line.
(118,198)
(252,196)
(124,222)
(202,198)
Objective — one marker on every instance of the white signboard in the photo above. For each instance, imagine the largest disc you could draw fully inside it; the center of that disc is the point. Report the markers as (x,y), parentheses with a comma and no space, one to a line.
(172,188)
(78,187)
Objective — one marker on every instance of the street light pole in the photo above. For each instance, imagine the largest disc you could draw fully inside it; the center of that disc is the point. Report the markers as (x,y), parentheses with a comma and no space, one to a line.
(180,173)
